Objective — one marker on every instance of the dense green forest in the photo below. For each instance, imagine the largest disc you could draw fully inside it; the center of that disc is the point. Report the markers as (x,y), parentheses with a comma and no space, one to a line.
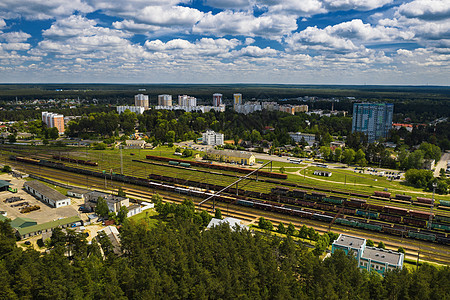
(420,103)
(177,260)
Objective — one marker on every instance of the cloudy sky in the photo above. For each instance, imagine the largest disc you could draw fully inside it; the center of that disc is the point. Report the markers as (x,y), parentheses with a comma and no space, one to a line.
(226,41)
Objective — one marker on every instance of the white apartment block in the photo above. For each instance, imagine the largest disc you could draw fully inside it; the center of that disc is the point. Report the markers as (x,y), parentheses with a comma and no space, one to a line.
(185,100)
(213,138)
(201,108)
(248,107)
(136,109)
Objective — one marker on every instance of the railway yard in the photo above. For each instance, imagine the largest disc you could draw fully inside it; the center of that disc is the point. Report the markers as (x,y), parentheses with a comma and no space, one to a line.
(396,219)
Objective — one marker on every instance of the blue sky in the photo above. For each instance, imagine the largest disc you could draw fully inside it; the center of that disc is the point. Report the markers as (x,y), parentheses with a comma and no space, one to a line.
(225,41)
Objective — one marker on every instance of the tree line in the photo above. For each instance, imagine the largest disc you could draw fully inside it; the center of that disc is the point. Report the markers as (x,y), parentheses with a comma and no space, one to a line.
(178,259)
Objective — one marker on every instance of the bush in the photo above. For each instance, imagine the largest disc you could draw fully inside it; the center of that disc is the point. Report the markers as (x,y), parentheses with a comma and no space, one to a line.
(40,243)
(419,178)
(100,146)
(6,169)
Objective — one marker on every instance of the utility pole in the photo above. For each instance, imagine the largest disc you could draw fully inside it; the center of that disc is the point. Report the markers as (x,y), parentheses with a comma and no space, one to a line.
(121,161)
(432,205)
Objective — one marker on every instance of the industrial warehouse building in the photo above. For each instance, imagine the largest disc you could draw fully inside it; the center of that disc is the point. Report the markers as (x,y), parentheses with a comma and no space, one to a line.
(29,231)
(369,258)
(46,194)
(231,156)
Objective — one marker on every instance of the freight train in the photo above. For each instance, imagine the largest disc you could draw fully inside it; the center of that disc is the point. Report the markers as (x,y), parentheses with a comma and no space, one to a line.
(75,161)
(303,212)
(358,207)
(407,199)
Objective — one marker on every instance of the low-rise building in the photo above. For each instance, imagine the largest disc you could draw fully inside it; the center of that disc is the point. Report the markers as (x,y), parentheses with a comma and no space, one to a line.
(112,234)
(114,202)
(212,138)
(135,144)
(46,194)
(77,193)
(22,223)
(4,185)
(429,164)
(135,109)
(298,136)
(232,222)
(134,210)
(369,258)
(248,107)
(322,173)
(30,231)
(231,156)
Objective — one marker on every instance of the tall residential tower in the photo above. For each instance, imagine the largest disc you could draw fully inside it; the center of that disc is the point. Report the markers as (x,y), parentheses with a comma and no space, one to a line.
(373,119)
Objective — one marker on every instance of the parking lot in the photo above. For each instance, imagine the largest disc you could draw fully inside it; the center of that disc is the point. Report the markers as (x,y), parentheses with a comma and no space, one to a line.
(44,214)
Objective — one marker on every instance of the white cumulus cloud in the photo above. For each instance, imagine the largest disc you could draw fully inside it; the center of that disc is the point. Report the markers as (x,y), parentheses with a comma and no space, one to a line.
(243,23)
(42,10)
(426,9)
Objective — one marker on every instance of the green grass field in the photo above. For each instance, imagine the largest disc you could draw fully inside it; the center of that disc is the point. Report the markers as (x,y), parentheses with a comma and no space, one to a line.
(358,182)
(109,160)
(150,217)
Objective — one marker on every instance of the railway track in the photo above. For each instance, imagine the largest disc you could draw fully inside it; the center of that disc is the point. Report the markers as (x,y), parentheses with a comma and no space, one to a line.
(431,253)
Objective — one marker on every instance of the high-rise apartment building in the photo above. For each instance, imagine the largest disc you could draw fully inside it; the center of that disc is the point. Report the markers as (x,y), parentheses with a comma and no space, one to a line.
(373,119)
(141,100)
(217,99)
(53,120)
(237,99)
(165,100)
(186,101)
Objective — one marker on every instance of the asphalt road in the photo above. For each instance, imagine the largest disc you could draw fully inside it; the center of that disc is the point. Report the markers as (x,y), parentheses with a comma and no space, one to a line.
(442,163)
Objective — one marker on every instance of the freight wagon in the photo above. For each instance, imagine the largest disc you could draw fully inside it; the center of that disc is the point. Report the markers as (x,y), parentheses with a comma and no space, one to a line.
(422,236)
(424,200)
(382,194)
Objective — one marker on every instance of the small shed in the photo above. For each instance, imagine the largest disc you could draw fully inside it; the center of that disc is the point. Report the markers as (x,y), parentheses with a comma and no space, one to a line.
(4,185)
(322,173)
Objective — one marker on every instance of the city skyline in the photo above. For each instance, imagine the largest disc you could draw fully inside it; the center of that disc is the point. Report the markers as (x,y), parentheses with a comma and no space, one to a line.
(373,42)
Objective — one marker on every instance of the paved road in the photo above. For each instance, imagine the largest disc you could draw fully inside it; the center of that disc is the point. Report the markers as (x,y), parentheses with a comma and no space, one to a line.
(442,163)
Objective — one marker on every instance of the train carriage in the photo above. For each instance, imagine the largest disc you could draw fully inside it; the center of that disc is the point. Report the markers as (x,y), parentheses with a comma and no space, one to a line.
(396,210)
(420,214)
(403,197)
(298,193)
(354,202)
(382,194)
(424,200)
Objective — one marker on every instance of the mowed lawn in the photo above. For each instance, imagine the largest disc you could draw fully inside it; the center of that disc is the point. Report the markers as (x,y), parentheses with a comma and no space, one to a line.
(149,217)
(358,182)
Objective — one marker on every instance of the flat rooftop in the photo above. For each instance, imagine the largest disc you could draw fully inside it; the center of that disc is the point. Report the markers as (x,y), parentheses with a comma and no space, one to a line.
(349,241)
(381,255)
